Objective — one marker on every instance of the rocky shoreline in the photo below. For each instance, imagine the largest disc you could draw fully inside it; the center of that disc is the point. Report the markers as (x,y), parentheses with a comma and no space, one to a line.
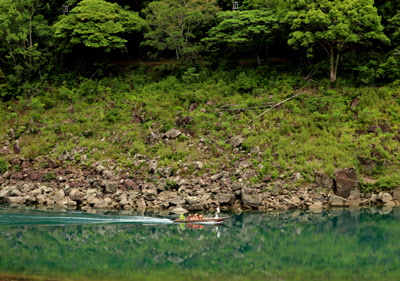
(104,185)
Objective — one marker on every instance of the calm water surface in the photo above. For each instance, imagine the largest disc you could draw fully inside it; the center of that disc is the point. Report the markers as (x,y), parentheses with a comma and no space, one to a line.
(331,245)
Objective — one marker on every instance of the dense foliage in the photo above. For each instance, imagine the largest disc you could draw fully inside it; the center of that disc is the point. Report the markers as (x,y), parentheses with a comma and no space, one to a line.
(105,75)
(359,37)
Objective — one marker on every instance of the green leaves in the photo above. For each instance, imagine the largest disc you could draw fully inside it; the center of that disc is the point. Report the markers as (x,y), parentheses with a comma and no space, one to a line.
(334,25)
(98,24)
(250,29)
(175,25)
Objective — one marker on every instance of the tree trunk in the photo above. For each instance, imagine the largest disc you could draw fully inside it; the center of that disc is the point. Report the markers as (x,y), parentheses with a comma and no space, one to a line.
(333,65)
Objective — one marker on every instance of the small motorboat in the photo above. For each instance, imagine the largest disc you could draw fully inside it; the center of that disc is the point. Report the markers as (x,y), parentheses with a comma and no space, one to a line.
(203,220)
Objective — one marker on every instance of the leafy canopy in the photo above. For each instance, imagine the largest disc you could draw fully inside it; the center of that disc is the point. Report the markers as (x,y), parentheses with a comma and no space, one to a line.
(334,25)
(98,24)
(249,29)
(175,25)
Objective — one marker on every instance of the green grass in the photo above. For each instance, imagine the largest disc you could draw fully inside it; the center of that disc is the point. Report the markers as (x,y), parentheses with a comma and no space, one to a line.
(113,118)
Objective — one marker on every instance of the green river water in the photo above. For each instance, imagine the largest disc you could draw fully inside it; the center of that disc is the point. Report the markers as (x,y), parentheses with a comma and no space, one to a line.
(361,244)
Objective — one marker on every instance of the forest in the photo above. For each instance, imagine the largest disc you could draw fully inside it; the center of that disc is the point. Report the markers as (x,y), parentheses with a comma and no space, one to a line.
(109,75)
(48,42)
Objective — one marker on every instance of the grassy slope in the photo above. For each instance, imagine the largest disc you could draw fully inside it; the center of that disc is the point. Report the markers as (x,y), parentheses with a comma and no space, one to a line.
(112,118)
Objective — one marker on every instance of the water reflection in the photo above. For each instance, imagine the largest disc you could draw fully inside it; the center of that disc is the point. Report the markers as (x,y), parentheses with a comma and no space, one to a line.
(330,245)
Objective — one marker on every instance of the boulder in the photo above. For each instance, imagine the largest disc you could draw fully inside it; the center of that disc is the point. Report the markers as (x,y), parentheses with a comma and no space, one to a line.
(153,166)
(101,204)
(59,195)
(179,211)
(15,200)
(165,172)
(225,198)
(76,195)
(172,134)
(254,149)
(166,195)
(177,201)
(337,201)
(141,204)
(251,198)
(355,194)
(396,193)
(14,192)
(346,180)
(150,194)
(129,184)
(386,197)
(323,181)
(317,206)
(110,187)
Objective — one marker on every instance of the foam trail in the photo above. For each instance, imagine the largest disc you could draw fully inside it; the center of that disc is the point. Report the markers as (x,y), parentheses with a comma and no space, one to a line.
(39,218)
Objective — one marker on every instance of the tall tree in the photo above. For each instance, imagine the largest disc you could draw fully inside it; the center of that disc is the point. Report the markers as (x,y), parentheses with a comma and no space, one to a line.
(250,29)
(21,29)
(333,25)
(98,24)
(175,25)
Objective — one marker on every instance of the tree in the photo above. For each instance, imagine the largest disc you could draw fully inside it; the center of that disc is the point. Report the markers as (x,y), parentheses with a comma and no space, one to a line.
(249,29)
(98,24)
(24,40)
(175,24)
(333,25)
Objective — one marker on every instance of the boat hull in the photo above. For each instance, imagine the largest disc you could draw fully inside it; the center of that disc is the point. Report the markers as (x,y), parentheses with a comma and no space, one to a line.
(204,220)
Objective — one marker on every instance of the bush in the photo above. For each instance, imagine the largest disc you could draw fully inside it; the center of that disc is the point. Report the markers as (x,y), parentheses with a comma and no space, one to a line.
(3,165)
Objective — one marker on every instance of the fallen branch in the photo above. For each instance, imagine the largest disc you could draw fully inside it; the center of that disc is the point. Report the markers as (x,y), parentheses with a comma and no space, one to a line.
(276,105)
(244,108)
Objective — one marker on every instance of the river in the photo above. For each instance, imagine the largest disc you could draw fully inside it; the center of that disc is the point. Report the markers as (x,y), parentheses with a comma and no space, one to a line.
(359,244)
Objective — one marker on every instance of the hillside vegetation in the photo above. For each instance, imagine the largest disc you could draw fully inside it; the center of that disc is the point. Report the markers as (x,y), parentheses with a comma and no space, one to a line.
(223,117)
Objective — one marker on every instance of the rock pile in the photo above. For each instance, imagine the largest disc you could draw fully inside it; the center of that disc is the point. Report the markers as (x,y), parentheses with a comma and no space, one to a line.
(105,186)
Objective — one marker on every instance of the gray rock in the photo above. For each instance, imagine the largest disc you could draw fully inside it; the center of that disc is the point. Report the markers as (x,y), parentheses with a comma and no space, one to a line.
(162,184)
(15,200)
(153,166)
(250,197)
(179,211)
(141,157)
(141,204)
(225,198)
(323,181)
(111,187)
(373,198)
(396,194)
(129,184)
(101,204)
(15,192)
(177,201)
(254,149)
(167,195)
(317,206)
(165,172)
(150,194)
(59,195)
(355,194)
(337,201)
(76,195)
(346,180)
(172,134)
(198,165)
(386,197)
(237,141)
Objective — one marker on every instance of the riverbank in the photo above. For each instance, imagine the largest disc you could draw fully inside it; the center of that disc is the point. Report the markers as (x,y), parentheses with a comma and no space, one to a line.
(107,186)
(245,139)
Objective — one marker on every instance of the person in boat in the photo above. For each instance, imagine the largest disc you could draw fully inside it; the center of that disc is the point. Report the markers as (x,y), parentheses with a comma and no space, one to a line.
(182,217)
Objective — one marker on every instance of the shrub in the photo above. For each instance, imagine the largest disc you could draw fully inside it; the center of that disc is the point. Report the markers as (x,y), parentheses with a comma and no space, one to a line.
(3,165)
